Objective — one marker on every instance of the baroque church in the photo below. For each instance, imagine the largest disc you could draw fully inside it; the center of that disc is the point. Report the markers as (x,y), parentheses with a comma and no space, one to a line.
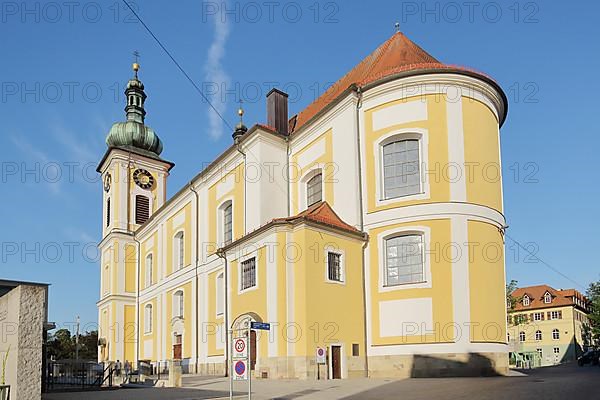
(370,224)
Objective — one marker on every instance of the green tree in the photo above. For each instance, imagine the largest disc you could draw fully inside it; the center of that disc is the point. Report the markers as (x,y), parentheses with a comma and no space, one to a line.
(511,301)
(61,345)
(88,346)
(593,295)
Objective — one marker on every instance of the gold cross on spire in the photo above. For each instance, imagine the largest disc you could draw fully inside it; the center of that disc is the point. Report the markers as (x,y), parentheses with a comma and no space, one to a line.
(136,65)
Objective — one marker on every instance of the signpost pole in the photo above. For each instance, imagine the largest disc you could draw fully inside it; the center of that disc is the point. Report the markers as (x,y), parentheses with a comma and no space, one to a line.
(249,360)
(230,361)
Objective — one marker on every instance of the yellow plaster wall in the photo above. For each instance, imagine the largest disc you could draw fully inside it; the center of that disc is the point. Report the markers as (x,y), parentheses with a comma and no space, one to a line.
(334,312)
(437,128)
(440,291)
(325,160)
(129,333)
(188,317)
(130,268)
(482,151)
(486,283)
(213,321)
(215,201)
(172,230)
(147,249)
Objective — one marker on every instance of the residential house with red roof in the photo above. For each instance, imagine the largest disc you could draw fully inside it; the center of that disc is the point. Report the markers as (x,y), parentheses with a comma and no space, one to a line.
(548,323)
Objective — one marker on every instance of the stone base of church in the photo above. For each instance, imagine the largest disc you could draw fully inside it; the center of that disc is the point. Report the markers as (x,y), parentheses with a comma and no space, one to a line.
(438,365)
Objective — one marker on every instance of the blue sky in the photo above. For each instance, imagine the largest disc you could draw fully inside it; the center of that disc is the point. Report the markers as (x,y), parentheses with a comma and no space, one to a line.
(63,69)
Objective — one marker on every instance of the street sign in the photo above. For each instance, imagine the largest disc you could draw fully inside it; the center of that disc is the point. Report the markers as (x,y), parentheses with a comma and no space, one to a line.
(321,356)
(240,371)
(240,348)
(263,326)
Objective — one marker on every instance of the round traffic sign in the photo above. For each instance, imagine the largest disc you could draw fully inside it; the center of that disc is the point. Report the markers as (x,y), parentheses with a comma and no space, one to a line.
(321,352)
(240,345)
(240,367)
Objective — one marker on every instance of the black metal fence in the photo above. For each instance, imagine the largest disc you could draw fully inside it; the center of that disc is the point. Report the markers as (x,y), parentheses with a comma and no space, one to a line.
(74,375)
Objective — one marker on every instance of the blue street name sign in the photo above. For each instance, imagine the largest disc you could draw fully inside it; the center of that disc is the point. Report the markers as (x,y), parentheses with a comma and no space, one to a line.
(260,326)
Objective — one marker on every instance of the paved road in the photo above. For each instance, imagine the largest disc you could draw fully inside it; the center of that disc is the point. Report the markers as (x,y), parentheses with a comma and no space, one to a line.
(553,383)
(560,383)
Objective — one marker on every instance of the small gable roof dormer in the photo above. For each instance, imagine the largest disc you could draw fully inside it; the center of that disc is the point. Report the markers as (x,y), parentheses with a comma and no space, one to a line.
(526,300)
(548,297)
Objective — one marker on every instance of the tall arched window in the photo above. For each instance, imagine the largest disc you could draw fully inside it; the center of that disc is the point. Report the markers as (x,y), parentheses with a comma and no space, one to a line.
(220,293)
(178,304)
(148,318)
(521,336)
(149,270)
(227,224)
(538,335)
(108,212)
(401,168)
(314,190)
(555,334)
(179,251)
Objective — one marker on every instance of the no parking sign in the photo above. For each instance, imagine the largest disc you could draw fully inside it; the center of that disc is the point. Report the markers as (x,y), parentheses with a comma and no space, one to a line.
(240,371)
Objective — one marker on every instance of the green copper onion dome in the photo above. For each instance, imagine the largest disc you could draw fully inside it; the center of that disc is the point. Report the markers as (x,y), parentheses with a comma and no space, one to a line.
(134,134)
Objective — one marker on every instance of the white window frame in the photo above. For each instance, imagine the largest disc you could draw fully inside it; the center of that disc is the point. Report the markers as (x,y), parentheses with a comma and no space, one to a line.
(538,335)
(221,220)
(220,294)
(311,172)
(522,337)
(342,255)
(557,332)
(556,350)
(408,230)
(178,303)
(148,316)
(178,246)
(420,134)
(546,296)
(537,316)
(149,271)
(526,301)
(240,272)
(554,315)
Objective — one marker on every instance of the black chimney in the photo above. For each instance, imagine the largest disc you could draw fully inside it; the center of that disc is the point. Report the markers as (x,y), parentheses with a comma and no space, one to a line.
(277,111)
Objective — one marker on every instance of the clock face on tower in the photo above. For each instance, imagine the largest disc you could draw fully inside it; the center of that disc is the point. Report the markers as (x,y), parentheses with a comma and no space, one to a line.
(107,182)
(143,179)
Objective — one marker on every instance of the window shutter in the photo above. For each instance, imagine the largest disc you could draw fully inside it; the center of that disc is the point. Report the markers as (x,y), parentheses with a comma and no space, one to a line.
(142,209)
(542,315)
(560,315)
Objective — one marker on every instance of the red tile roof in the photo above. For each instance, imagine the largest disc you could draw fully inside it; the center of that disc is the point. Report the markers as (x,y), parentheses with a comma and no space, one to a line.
(321,213)
(536,297)
(398,54)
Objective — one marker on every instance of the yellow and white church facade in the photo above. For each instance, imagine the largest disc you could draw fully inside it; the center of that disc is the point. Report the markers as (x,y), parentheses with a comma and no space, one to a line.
(370,224)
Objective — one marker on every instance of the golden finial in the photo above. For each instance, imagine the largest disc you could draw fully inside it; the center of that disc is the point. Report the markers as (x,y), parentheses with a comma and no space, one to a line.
(136,65)
(241,111)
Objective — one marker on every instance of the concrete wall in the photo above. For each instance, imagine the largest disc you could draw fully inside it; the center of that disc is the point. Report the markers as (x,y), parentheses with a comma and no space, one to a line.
(22,318)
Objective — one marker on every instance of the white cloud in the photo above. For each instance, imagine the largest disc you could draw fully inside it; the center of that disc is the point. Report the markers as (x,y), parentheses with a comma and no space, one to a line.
(39,160)
(215,73)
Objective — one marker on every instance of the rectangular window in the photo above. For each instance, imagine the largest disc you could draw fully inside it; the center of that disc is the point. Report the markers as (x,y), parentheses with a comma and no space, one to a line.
(538,316)
(334,267)
(401,170)
(539,351)
(556,315)
(556,350)
(249,273)
(355,350)
(404,260)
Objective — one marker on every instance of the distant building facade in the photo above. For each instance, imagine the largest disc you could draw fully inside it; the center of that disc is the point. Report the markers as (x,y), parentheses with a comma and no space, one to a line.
(549,323)
(346,226)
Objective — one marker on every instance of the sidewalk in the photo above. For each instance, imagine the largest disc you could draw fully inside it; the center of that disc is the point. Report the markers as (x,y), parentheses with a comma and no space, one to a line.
(286,389)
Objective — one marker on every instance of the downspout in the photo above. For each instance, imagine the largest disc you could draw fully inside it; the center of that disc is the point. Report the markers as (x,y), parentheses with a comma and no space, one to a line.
(222,254)
(358,92)
(197,229)
(287,175)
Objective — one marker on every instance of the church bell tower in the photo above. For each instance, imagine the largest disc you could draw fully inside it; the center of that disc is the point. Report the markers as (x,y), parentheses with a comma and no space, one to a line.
(134,178)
